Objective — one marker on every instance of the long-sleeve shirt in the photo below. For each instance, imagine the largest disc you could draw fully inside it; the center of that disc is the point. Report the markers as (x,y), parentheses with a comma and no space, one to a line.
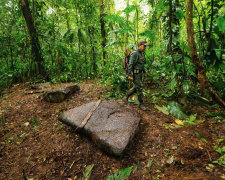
(136,62)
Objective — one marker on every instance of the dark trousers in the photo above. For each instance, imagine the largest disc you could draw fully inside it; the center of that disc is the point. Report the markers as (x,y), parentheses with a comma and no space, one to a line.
(137,88)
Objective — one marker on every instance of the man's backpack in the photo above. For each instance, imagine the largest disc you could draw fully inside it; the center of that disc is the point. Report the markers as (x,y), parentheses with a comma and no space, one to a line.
(126,60)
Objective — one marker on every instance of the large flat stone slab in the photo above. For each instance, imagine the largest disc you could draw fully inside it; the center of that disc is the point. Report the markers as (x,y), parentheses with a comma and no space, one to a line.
(111,126)
(60,94)
(74,117)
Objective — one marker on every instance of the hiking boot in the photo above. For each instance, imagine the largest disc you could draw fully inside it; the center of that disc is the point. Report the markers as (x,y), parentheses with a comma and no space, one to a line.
(142,107)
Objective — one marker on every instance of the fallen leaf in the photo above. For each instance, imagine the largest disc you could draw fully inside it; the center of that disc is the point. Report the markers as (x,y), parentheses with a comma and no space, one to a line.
(26,124)
(179,122)
(170,160)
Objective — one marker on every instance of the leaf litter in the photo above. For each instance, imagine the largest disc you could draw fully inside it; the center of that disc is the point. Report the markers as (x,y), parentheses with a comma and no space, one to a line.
(43,150)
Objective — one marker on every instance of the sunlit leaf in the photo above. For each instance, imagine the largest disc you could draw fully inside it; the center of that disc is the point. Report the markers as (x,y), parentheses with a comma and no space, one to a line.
(87,172)
(179,122)
(220,161)
(162,109)
(121,174)
(192,117)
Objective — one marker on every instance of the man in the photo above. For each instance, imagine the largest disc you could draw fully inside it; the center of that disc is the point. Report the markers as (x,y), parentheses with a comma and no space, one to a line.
(135,72)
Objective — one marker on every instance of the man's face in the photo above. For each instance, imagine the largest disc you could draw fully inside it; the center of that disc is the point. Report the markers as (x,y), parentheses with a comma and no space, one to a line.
(142,48)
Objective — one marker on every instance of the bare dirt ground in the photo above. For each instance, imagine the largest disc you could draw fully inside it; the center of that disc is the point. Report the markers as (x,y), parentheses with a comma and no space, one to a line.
(35,145)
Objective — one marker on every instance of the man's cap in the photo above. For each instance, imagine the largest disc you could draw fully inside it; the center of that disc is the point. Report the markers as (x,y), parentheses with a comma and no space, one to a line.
(143,42)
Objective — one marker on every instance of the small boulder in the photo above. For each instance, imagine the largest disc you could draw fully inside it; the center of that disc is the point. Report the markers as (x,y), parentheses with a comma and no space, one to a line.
(60,94)
(40,86)
(111,126)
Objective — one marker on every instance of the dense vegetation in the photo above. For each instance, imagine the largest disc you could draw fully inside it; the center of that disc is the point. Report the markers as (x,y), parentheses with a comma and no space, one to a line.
(60,41)
(63,41)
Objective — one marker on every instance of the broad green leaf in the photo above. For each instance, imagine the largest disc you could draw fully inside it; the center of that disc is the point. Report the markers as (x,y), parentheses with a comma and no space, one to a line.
(87,172)
(186,87)
(218,52)
(162,109)
(176,110)
(192,117)
(173,83)
(204,140)
(198,135)
(221,23)
(121,174)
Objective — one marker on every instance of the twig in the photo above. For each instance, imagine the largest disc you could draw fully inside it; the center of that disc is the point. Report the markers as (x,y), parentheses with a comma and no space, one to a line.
(209,155)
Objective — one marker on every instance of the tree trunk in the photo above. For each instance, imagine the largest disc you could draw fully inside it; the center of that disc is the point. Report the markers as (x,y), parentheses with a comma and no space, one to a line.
(137,24)
(203,80)
(209,35)
(127,16)
(103,33)
(36,49)
(171,34)
(94,66)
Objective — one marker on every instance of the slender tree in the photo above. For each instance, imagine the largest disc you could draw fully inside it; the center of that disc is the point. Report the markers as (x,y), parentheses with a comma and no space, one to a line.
(203,80)
(171,34)
(137,23)
(127,16)
(36,49)
(103,32)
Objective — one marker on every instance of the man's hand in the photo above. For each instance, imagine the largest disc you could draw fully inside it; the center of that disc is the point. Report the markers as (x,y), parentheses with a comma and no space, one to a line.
(129,77)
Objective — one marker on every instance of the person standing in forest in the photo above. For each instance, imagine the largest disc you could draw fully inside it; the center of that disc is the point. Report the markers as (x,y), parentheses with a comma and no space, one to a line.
(135,72)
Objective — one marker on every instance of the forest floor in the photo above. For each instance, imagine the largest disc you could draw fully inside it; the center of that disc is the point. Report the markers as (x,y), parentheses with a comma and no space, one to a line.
(35,145)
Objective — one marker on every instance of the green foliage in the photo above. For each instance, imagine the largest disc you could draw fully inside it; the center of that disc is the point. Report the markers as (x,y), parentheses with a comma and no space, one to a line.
(192,120)
(129,9)
(70,35)
(221,23)
(116,18)
(121,174)
(176,110)
(221,150)
(180,14)
(162,109)
(199,136)
(221,159)
(216,114)
(87,172)
(117,82)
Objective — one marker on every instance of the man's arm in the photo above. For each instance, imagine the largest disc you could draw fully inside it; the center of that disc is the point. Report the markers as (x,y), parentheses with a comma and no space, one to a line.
(132,62)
